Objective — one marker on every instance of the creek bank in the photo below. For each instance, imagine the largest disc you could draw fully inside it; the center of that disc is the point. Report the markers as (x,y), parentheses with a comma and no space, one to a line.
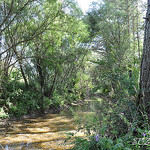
(46,131)
(6,123)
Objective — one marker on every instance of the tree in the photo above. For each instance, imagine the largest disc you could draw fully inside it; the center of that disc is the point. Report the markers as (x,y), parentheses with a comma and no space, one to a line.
(42,48)
(144,96)
(113,28)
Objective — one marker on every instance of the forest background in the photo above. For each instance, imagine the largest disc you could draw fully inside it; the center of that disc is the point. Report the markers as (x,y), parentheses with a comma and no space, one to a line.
(51,54)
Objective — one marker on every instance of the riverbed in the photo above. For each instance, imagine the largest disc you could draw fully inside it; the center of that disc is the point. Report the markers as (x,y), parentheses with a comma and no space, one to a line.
(48,131)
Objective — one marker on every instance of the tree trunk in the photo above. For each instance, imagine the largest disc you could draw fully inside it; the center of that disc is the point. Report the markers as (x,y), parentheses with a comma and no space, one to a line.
(134,43)
(138,39)
(41,81)
(144,96)
(52,87)
(21,68)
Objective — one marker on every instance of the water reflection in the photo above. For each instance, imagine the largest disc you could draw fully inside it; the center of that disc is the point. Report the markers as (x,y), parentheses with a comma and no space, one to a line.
(45,132)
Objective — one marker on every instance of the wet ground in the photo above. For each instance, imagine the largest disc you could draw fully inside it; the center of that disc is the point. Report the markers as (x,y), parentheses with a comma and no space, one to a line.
(45,132)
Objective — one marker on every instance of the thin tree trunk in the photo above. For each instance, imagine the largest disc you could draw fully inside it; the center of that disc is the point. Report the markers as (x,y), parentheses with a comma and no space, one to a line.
(21,68)
(138,39)
(128,15)
(41,81)
(52,87)
(139,49)
(134,37)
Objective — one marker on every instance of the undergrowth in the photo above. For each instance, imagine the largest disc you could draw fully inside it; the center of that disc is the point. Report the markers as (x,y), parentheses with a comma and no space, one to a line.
(116,125)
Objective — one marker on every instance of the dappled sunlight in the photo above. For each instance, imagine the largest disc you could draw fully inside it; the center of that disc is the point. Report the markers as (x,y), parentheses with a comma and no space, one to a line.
(48,131)
(45,132)
(97,99)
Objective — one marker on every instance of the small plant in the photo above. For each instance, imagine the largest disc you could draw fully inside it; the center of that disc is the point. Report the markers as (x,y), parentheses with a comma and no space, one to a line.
(3,114)
(113,128)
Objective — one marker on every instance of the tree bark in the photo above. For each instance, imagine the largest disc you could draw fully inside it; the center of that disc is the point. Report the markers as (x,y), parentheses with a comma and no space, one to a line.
(41,81)
(144,96)
(21,68)
(52,87)
(138,40)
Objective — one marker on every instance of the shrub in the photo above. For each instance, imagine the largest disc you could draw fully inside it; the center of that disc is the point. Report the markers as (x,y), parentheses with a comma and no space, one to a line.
(114,127)
(23,102)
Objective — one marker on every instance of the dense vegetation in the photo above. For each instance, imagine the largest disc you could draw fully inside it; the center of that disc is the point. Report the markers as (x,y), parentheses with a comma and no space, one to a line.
(52,55)
(42,50)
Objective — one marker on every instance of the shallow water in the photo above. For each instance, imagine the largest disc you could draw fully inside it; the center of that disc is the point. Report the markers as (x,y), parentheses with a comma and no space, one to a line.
(46,132)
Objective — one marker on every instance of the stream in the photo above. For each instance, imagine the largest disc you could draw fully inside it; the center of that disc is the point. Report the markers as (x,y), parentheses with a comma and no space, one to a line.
(48,131)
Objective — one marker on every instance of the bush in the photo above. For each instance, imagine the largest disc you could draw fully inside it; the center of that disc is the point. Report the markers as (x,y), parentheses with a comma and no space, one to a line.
(114,127)
(23,102)
(3,114)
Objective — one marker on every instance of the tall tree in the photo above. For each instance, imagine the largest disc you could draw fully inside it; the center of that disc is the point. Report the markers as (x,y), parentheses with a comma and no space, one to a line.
(144,96)
(112,27)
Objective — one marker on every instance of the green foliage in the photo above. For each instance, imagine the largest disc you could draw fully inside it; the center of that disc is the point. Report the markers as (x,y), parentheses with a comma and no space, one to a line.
(83,84)
(64,98)
(47,50)
(81,143)
(43,64)
(24,102)
(114,126)
(18,101)
(116,50)
(3,114)
(102,143)
(58,100)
